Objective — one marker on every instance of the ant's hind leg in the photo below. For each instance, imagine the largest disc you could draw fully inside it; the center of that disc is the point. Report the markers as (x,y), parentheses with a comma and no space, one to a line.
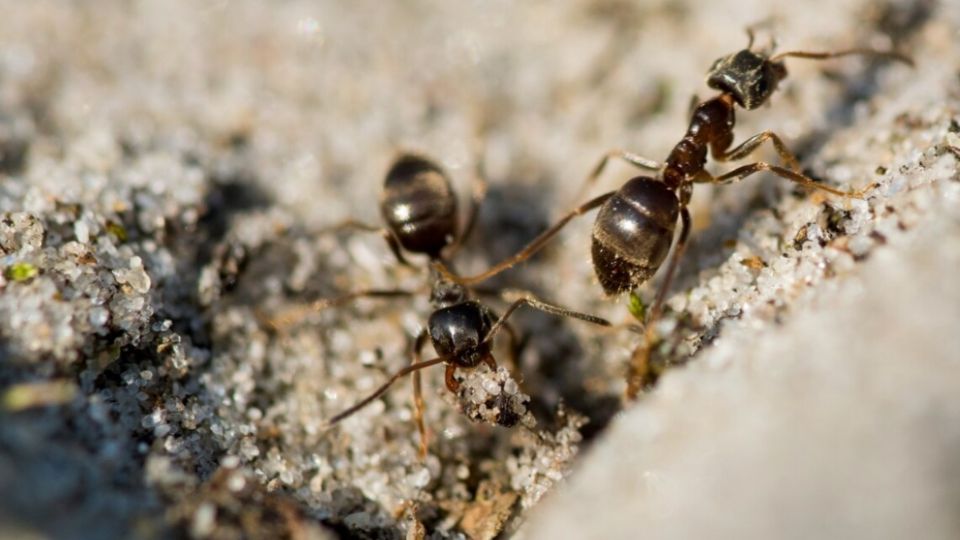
(418,406)
(478,192)
(394,246)
(634,159)
(293,315)
(751,144)
(529,250)
(742,172)
(387,236)
(640,374)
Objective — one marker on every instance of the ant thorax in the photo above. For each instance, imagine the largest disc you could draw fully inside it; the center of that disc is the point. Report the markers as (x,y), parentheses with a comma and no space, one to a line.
(445,293)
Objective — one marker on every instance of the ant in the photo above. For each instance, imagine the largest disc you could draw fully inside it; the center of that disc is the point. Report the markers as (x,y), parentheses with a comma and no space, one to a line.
(635,226)
(419,208)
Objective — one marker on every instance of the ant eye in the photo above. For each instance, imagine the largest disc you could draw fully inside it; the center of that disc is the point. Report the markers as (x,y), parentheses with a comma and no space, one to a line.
(761,87)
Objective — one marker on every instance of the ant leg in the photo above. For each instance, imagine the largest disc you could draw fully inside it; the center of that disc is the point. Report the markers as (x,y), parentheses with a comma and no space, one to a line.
(418,406)
(528,298)
(452,383)
(746,170)
(824,55)
(634,159)
(692,106)
(384,387)
(639,372)
(478,192)
(512,350)
(352,224)
(748,146)
(511,331)
(529,250)
(394,246)
(293,315)
(387,236)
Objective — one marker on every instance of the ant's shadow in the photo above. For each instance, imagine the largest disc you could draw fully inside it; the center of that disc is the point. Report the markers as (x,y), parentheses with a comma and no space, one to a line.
(551,358)
(512,213)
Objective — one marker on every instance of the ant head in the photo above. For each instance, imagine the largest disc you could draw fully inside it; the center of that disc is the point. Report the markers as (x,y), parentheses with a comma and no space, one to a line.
(458,332)
(749,77)
(419,205)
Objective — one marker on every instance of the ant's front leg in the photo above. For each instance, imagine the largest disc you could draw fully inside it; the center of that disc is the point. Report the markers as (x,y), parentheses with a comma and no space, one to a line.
(387,236)
(449,378)
(692,105)
(742,172)
(751,144)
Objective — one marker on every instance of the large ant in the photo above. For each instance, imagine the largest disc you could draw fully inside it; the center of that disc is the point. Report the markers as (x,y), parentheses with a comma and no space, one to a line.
(635,226)
(419,207)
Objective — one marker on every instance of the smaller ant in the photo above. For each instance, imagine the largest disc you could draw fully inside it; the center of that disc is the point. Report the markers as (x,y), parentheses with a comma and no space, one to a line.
(635,226)
(420,210)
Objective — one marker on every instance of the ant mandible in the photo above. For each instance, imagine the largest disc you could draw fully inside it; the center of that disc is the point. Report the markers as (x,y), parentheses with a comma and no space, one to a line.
(635,226)
(419,208)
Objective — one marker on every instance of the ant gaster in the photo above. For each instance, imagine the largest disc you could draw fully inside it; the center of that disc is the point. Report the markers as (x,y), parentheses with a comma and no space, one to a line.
(419,208)
(635,225)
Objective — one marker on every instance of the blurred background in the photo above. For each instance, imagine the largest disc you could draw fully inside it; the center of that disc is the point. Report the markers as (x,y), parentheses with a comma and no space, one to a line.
(165,167)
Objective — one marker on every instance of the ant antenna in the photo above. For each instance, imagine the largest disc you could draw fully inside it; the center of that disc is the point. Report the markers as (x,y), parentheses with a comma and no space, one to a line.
(526,298)
(762,23)
(816,55)
(384,387)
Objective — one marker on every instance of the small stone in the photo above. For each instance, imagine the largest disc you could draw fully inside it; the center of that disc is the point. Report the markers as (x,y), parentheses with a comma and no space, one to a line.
(204,520)
(98,316)
(491,387)
(420,478)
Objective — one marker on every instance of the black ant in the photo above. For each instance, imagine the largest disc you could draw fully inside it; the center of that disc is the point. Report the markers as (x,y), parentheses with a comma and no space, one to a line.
(419,207)
(635,226)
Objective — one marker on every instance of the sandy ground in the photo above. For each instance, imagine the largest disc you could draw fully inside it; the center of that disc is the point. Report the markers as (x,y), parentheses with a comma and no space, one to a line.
(169,172)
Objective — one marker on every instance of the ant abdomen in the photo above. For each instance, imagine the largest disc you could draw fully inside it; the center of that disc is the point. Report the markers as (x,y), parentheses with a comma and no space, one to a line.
(419,206)
(459,332)
(633,233)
